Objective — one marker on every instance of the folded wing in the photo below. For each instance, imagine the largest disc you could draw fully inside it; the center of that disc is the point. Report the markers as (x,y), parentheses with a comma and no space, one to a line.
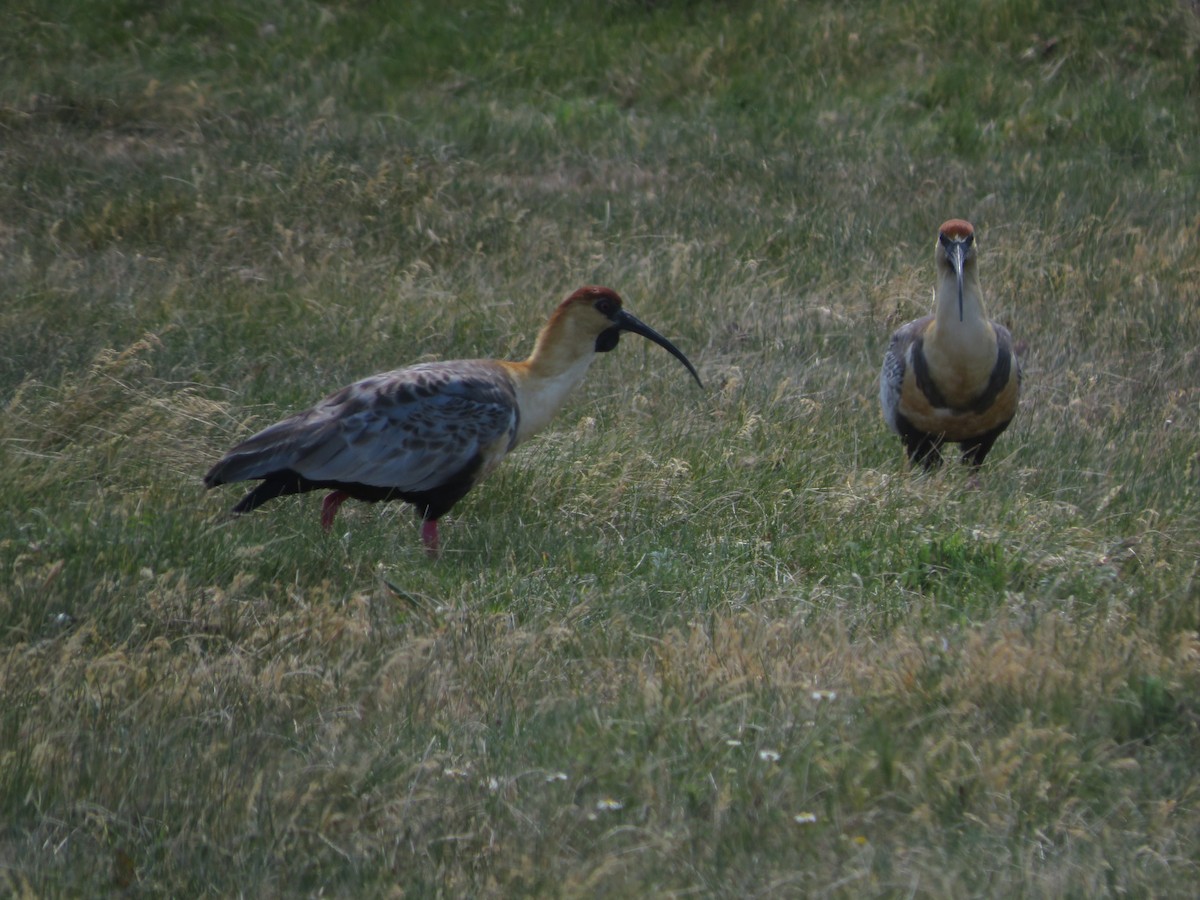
(409,430)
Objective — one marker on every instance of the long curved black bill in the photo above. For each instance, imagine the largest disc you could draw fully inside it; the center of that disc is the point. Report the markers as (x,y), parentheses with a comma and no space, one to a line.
(957,255)
(627,322)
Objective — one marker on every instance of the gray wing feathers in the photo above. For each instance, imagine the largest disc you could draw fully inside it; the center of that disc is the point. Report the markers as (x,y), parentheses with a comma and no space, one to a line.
(409,429)
(891,376)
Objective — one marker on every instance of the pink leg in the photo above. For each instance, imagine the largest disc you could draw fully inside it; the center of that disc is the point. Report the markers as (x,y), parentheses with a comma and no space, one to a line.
(429,537)
(330,507)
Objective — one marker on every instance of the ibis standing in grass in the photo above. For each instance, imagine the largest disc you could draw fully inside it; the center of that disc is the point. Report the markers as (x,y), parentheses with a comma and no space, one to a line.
(953,375)
(429,433)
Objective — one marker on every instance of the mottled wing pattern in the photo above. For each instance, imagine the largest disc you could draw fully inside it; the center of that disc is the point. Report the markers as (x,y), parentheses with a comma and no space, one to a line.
(409,429)
(891,377)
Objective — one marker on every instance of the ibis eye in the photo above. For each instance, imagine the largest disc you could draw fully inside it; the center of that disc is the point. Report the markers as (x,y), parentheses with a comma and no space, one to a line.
(606,307)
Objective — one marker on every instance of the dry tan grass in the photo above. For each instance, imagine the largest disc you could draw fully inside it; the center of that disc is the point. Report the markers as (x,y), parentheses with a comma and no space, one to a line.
(715,643)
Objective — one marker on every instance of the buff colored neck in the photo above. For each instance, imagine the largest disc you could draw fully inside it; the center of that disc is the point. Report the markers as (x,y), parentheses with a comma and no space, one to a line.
(960,352)
(560,359)
(973,329)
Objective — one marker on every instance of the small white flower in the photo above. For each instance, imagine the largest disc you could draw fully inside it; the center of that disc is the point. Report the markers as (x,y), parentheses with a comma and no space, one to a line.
(804,818)
(608,804)
(768,755)
(733,742)
(824,695)
(493,784)
(455,773)
(556,776)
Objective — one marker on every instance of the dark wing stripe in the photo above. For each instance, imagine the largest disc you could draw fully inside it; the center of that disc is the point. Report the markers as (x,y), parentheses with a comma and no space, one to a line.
(924,377)
(997,382)
(1001,373)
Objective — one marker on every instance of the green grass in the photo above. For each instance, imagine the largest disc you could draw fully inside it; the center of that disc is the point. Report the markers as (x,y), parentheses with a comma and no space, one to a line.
(714,643)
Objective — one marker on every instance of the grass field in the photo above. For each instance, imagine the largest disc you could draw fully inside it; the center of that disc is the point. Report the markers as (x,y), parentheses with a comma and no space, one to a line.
(688,642)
